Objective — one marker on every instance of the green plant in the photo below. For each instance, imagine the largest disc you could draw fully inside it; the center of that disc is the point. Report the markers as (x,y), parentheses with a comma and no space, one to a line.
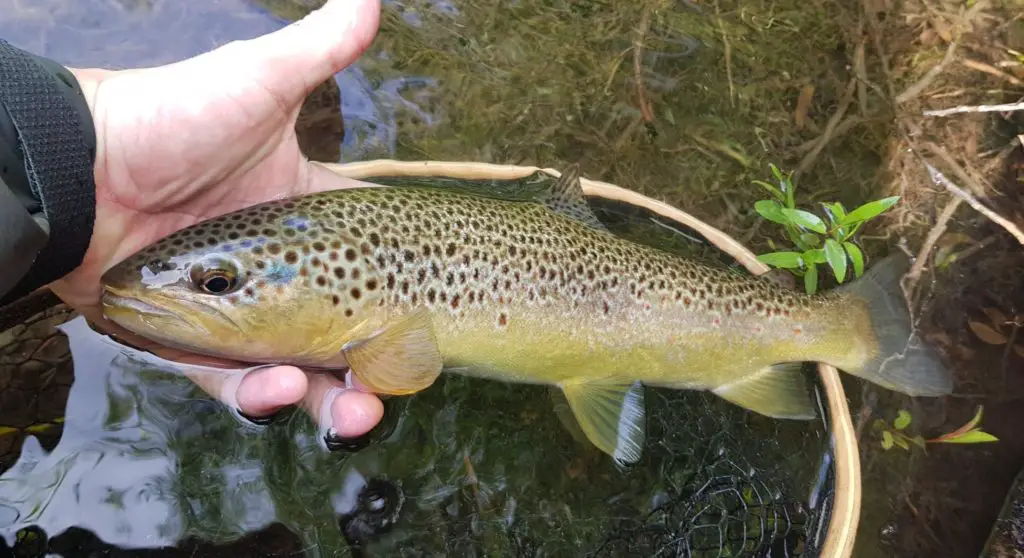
(817,241)
(895,436)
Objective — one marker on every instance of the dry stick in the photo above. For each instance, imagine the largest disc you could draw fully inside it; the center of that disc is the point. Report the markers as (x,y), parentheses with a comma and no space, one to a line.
(860,69)
(989,69)
(728,55)
(914,90)
(961,173)
(830,128)
(638,51)
(845,126)
(929,242)
(940,179)
(976,108)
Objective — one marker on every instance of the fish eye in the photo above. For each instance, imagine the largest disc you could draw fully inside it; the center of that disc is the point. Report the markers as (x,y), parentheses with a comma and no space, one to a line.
(215,280)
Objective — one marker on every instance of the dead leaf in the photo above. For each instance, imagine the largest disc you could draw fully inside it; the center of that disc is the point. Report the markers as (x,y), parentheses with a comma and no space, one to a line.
(803,105)
(997,317)
(986,333)
(944,30)
(928,38)
(939,338)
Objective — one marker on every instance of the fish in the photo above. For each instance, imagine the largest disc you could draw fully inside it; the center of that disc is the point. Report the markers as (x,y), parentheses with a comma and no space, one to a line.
(400,284)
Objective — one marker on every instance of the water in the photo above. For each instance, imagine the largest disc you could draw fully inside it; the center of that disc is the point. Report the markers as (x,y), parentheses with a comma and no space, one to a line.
(110,452)
(466,467)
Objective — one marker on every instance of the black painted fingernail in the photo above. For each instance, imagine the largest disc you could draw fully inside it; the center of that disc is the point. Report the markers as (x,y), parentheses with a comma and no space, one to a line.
(276,416)
(377,509)
(353,444)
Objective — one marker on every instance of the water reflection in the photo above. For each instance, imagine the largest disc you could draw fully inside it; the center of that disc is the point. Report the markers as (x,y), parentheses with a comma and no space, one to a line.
(147,460)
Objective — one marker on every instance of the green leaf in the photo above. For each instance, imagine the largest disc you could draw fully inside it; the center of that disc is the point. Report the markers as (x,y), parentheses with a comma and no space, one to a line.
(810,239)
(836,211)
(870,209)
(836,258)
(902,420)
(772,189)
(805,219)
(777,172)
(789,260)
(919,441)
(902,442)
(816,256)
(887,440)
(972,437)
(811,279)
(771,210)
(856,256)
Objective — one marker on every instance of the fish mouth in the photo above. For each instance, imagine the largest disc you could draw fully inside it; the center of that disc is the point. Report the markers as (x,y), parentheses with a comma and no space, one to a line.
(116,303)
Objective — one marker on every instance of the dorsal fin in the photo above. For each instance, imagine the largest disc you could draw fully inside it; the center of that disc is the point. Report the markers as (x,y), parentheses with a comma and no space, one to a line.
(566,197)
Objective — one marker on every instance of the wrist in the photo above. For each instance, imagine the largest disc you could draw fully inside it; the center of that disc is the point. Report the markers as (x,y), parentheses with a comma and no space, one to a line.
(48,155)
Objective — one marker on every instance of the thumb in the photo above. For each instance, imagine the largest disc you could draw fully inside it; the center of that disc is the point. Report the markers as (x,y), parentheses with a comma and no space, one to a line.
(292,61)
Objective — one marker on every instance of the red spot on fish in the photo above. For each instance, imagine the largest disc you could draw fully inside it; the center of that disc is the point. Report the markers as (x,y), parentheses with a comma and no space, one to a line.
(503,320)
(797,330)
(716,321)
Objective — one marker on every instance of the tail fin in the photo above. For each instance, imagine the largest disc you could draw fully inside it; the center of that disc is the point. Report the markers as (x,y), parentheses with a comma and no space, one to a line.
(904,362)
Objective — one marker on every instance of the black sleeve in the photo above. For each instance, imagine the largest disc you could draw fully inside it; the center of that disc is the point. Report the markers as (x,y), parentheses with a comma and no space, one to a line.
(47,187)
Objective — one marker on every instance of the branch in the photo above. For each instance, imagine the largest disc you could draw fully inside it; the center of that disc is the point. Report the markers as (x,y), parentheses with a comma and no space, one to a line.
(940,179)
(977,108)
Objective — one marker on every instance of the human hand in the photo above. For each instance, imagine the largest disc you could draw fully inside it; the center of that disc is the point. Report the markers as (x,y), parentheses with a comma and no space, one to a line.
(181,143)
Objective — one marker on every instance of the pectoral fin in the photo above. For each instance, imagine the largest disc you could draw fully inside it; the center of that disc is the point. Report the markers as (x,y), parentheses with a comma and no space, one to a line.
(611,415)
(401,357)
(778,391)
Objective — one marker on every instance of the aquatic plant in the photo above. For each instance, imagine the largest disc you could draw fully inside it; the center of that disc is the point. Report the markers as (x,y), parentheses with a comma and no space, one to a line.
(895,435)
(817,241)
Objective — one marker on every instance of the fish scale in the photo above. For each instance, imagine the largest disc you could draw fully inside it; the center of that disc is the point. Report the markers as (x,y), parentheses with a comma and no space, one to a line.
(397,283)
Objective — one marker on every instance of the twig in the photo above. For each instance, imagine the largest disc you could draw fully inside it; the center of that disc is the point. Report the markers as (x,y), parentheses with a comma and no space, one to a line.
(728,55)
(974,248)
(976,108)
(940,179)
(991,70)
(830,128)
(929,242)
(845,126)
(961,173)
(859,68)
(638,52)
(914,90)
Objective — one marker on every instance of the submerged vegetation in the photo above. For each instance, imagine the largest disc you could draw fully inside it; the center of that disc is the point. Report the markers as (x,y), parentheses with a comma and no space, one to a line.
(688,102)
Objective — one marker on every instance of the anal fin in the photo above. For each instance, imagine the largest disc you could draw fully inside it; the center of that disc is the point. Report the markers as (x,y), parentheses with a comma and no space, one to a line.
(778,391)
(612,416)
(401,357)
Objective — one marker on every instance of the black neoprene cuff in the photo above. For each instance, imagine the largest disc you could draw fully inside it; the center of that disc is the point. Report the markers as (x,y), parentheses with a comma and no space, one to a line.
(47,156)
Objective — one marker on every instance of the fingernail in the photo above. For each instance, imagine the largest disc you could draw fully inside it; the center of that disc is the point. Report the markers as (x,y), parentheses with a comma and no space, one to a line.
(276,416)
(336,443)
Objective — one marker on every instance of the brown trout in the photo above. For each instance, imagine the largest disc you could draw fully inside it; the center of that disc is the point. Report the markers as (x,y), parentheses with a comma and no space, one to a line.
(400,283)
